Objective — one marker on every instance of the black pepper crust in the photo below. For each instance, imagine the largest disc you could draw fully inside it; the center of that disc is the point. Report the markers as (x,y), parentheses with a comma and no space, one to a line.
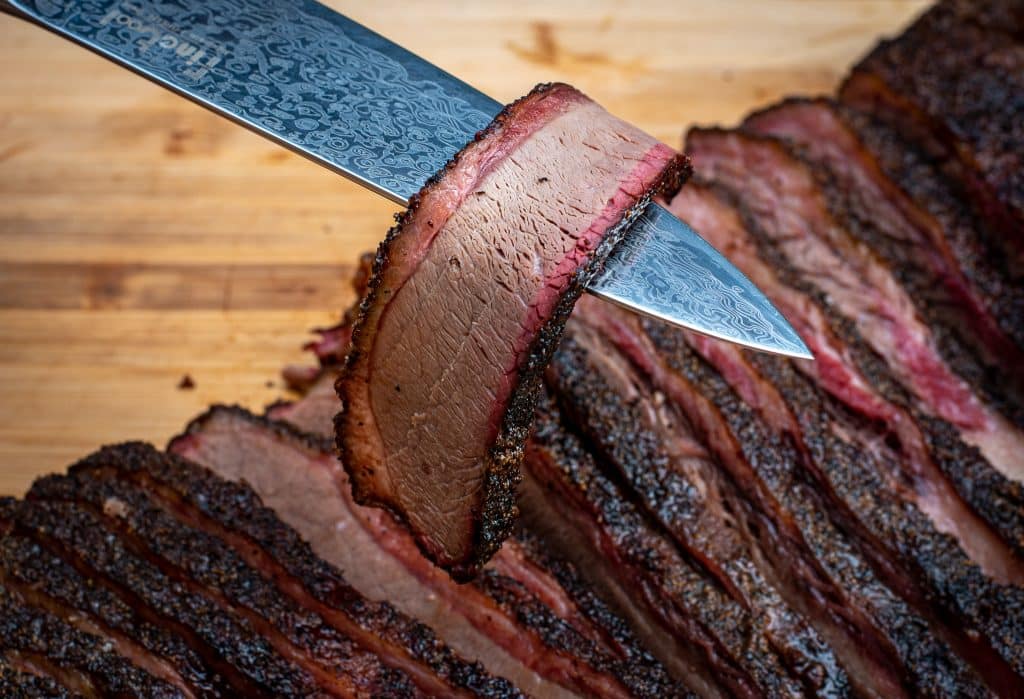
(32,632)
(679,598)
(771,640)
(25,567)
(191,555)
(996,498)
(16,684)
(237,508)
(497,510)
(223,640)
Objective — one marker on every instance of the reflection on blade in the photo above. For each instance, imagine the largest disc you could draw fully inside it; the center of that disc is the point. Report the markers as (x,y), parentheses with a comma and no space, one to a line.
(665,270)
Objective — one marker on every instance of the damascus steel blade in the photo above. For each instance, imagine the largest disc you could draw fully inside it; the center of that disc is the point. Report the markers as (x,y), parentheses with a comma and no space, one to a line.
(340,94)
(675,275)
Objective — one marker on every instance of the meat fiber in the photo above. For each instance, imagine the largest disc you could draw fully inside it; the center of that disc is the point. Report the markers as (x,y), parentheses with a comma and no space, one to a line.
(954,82)
(527,616)
(783,198)
(467,299)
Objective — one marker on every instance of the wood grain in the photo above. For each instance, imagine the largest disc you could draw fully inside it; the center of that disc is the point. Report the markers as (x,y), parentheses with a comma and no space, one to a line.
(144,239)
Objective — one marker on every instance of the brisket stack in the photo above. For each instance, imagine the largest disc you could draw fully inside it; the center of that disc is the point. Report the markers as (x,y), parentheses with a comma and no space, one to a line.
(698,519)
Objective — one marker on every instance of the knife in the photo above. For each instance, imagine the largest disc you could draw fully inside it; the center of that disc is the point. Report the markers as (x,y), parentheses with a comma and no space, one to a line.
(342,95)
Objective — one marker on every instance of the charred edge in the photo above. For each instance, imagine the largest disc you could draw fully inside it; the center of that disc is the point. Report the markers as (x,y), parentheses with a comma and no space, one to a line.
(238,509)
(285,430)
(30,630)
(25,564)
(16,683)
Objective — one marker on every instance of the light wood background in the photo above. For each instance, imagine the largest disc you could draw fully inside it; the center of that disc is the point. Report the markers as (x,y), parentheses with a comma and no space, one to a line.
(142,239)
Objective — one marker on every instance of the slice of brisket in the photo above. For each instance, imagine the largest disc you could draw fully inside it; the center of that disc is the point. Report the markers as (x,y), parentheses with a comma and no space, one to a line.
(954,82)
(525,606)
(783,198)
(466,302)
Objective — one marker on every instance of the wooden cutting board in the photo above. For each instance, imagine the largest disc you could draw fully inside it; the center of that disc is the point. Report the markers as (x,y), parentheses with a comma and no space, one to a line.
(144,239)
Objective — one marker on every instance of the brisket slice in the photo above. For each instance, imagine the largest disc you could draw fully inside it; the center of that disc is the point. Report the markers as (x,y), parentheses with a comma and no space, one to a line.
(525,601)
(948,480)
(664,467)
(671,605)
(965,319)
(781,194)
(954,82)
(314,412)
(280,575)
(82,662)
(467,299)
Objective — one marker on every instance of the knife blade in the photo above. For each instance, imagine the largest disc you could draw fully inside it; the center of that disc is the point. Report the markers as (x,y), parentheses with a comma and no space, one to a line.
(344,96)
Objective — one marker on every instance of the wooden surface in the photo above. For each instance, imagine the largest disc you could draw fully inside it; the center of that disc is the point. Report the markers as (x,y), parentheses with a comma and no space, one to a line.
(144,239)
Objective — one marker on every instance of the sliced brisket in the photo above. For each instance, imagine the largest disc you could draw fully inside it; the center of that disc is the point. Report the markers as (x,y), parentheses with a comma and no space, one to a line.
(944,477)
(525,602)
(954,82)
(679,611)
(782,197)
(466,302)
(671,475)
(966,320)
(82,662)
(880,640)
